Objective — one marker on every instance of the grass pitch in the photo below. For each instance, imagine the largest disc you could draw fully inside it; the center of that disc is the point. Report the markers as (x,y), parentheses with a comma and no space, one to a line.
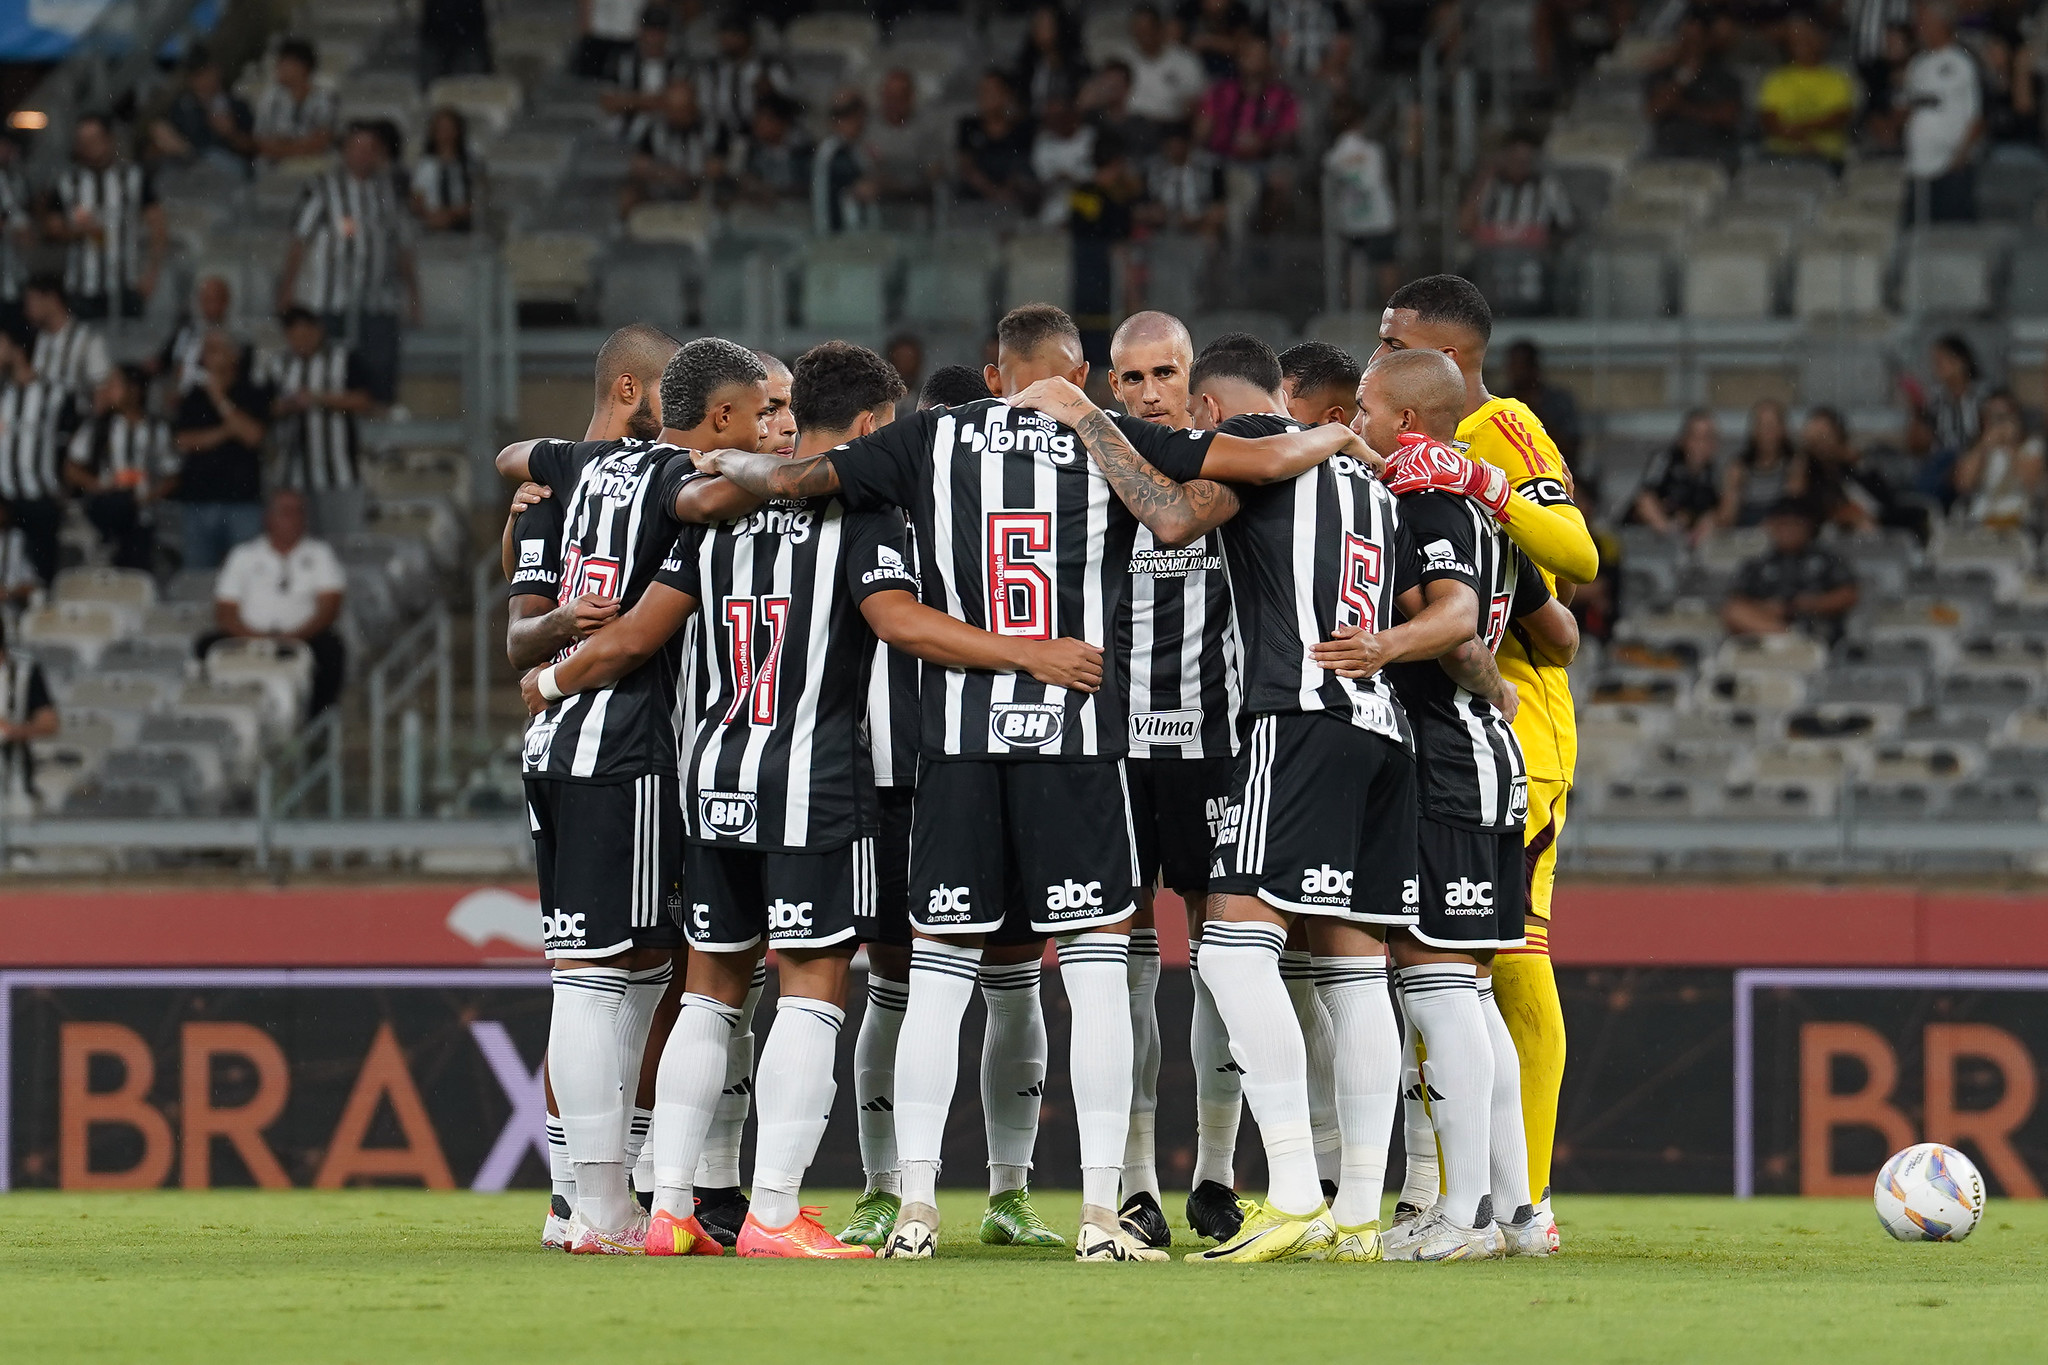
(383,1276)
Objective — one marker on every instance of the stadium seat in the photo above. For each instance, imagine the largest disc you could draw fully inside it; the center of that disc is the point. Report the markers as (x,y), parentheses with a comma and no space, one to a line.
(284,668)
(1038,268)
(2026,289)
(1871,685)
(63,765)
(952,280)
(1589,187)
(1610,146)
(111,798)
(1793,187)
(1626,276)
(1993,694)
(1995,800)
(1647,799)
(1515,280)
(1845,719)
(1895,801)
(1771,653)
(1778,799)
(1837,276)
(61,661)
(87,627)
(131,590)
(99,730)
(2011,183)
(215,735)
(643,285)
(488,102)
(135,692)
(1804,760)
(1178,268)
(1730,274)
(1770,690)
(852,35)
(1948,271)
(243,705)
(847,281)
(2021,761)
(1271,328)
(168,659)
(1358,333)
(549,267)
(1695,186)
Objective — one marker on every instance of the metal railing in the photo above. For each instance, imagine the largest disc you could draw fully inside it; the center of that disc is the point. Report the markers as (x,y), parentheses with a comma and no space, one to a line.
(308,761)
(425,654)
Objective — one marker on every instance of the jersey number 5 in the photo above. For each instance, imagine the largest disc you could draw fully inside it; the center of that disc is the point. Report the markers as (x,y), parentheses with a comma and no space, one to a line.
(1019,588)
(1358,584)
(755,672)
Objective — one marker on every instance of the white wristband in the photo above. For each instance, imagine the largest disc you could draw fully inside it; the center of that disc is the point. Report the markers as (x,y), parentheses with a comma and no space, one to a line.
(546,684)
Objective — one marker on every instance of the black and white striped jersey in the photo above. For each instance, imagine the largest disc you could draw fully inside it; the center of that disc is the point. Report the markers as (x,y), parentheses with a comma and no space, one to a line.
(352,231)
(279,115)
(1468,765)
(537,550)
(16,214)
(443,184)
(893,718)
(1305,556)
(635,73)
(103,209)
(774,758)
(690,150)
(318,444)
(126,452)
(74,358)
(31,434)
(1178,651)
(619,521)
(23,692)
(1019,535)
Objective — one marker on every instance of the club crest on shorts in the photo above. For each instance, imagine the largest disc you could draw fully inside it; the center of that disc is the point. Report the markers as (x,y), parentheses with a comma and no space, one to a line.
(1026,725)
(726,813)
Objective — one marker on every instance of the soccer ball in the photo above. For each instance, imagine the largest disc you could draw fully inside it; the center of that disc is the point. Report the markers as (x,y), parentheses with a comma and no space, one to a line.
(1929,1193)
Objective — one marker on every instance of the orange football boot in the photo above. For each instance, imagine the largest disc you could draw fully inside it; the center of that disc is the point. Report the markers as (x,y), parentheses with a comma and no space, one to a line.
(804,1239)
(669,1235)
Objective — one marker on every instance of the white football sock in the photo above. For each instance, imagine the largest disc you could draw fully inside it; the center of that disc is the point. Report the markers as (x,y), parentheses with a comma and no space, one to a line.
(1013,1050)
(1443,1000)
(1509,1146)
(796,1091)
(1241,963)
(686,1096)
(1219,1098)
(639,1123)
(928,1059)
(583,1054)
(561,1175)
(1422,1176)
(1095,969)
(636,1016)
(1297,969)
(1367,1057)
(1141,1161)
(719,1167)
(874,1080)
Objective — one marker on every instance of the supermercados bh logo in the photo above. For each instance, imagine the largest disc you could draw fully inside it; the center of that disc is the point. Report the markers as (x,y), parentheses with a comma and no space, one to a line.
(1165,727)
(1004,429)
(540,738)
(1026,725)
(730,814)
(1177,563)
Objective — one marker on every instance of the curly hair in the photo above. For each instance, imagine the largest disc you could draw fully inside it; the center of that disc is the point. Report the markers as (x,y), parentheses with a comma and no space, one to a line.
(695,374)
(834,383)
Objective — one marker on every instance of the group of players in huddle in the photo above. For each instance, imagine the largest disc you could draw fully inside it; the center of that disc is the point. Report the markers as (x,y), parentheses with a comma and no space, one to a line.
(809,676)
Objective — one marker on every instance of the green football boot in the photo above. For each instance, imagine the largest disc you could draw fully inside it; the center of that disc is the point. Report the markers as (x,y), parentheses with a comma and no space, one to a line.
(1011,1221)
(874,1217)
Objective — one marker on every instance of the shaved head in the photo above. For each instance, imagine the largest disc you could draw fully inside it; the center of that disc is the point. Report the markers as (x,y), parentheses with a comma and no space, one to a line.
(1410,391)
(1150,329)
(628,397)
(1149,360)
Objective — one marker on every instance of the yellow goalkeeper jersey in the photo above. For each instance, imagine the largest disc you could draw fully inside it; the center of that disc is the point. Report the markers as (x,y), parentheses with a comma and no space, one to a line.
(1543,521)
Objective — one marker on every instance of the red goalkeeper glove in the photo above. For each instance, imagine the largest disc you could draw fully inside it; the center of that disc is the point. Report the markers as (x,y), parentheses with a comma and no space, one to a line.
(1420,463)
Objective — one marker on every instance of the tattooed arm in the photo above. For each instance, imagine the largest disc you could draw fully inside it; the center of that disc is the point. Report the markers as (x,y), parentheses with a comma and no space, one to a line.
(1176,513)
(1472,667)
(765,474)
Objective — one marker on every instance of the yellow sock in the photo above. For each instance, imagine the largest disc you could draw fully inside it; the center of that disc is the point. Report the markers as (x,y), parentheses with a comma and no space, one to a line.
(1526,990)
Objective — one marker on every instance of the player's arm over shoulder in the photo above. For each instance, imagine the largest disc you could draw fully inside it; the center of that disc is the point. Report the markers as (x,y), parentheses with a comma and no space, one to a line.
(1541,517)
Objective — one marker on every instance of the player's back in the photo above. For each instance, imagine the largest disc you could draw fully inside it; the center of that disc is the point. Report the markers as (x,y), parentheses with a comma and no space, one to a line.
(618,514)
(1305,556)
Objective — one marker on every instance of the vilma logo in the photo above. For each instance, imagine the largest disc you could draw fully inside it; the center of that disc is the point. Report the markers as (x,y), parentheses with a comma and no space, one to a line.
(1165,727)
(1026,725)
(1074,895)
(1325,883)
(956,901)
(561,927)
(783,916)
(726,813)
(1467,896)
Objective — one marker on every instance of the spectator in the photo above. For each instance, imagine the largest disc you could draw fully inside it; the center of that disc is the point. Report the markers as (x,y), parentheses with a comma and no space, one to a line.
(1359,200)
(17,229)
(179,356)
(1805,105)
(844,194)
(283,585)
(1185,188)
(2012,91)
(444,182)
(19,581)
(1944,423)
(641,73)
(994,148)
(1405,28)
(773,165)
(1553,404)
(1166,78)
(1883,123)
(120,464)
(1099,219)
(318,390)
(1874,26)
(1998,479)
(1106,103)
(674,155)
(1311,38)
(1050,68)
(740,77)
(1569,36)
(1062,156)
(1795,585)
(206,121)
(69,354)
(1248,121)
(106,213)
(609,28)
(1212,29)
(28,712)
(1682,489)
(32,414)
(294,117)
(1516,203)
(351,232)
(1842,489)
(901,143)
(905,354)
(1694,101)
(1757,479)
(219,434)
(455,39)
(1944,121)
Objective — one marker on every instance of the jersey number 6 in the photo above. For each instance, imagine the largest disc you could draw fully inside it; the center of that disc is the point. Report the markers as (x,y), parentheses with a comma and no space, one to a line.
(1019,589)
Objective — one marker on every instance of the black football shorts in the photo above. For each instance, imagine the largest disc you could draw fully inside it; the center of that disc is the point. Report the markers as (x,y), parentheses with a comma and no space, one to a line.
(891,922)
(738,896)
(1471,885)
(610,859)
(1177,806)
